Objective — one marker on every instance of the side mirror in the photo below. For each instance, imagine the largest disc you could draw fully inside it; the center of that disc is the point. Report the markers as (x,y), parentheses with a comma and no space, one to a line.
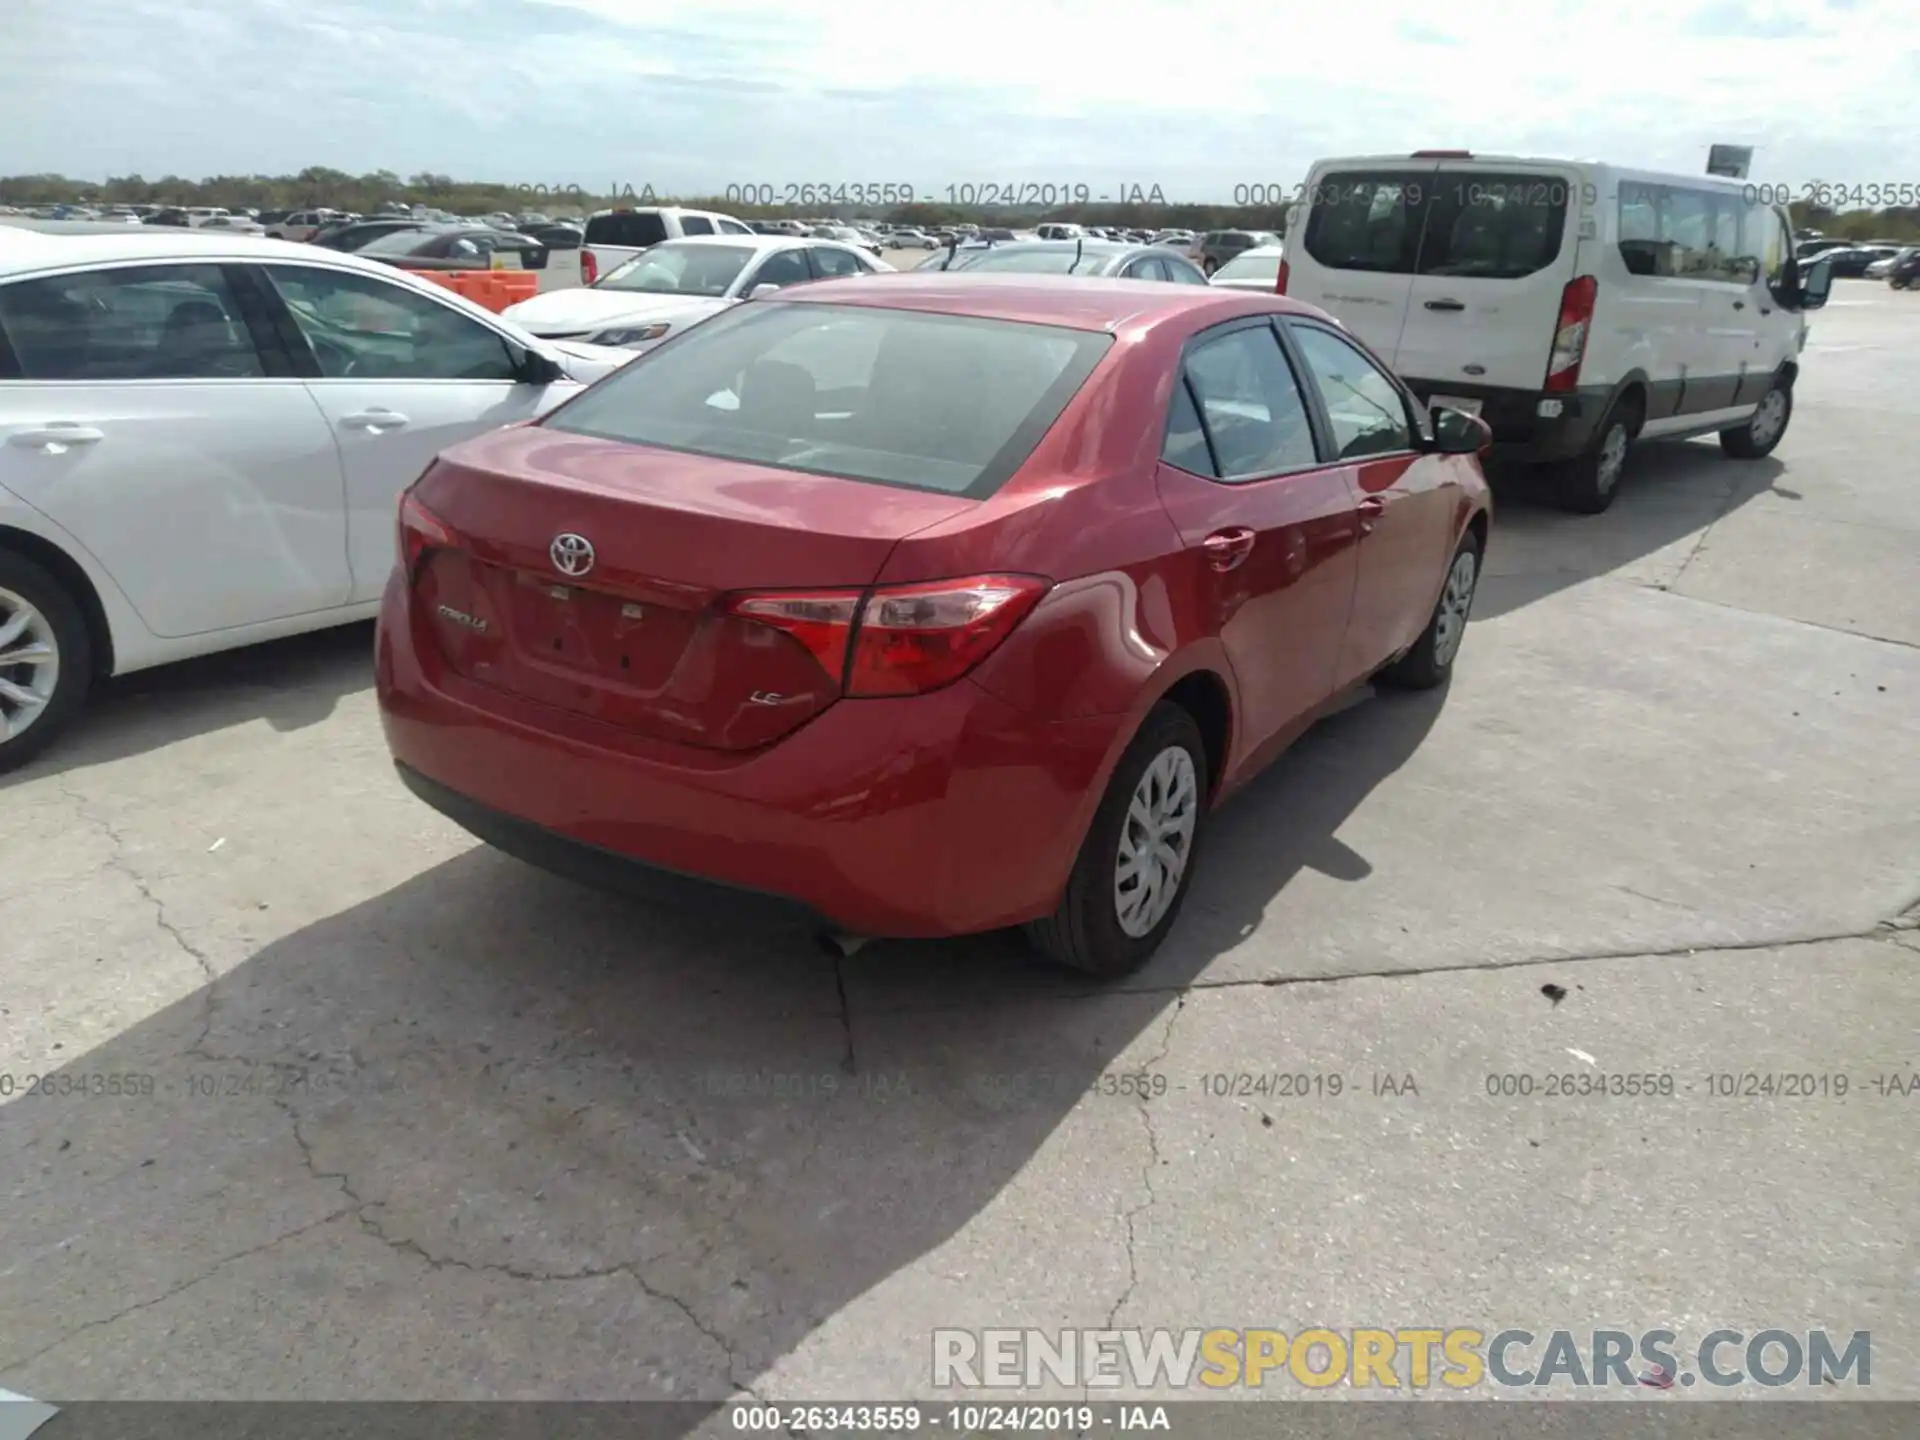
(1457,433)
(537,369)
(760,292)
(1815,281)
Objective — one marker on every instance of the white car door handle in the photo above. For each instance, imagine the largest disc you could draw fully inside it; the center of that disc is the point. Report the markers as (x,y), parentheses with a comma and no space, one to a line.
(56,437)
(373,420)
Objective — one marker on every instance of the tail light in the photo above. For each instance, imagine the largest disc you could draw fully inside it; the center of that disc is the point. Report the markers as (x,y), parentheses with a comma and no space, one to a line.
(420,531)
(899,639)
(589,267)
(1570,333)
(1280,280)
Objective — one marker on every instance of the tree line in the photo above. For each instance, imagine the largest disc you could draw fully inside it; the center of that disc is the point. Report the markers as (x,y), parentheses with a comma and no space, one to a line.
(318,186)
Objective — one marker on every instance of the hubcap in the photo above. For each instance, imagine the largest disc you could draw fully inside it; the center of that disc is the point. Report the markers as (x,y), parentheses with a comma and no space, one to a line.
(1770,418)
(1613,457)
(1156,840)
(29,664)
(1456,600)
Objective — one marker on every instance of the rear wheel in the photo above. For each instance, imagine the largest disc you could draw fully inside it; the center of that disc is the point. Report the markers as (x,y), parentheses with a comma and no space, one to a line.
(46,659)
(1137,862)
(1589,480)
(1764,428)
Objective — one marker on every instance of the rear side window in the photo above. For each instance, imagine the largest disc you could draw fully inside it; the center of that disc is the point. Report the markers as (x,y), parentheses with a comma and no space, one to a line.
(1492,226)
(945,403)
(1367,220)
(695,225)
(1251,407)
(634,229)
(148,322)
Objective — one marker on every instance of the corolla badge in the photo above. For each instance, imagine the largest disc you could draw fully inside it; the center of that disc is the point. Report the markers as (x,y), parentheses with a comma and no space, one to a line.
(571,554)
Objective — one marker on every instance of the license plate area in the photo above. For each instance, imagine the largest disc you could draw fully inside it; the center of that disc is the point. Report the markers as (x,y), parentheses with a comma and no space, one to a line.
(1456,402)
(590,633)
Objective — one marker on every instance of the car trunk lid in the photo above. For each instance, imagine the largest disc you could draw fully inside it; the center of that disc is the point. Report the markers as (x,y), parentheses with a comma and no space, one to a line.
(623,623)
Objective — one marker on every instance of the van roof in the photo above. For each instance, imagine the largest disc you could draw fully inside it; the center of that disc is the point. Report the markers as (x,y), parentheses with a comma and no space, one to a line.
(1404,158)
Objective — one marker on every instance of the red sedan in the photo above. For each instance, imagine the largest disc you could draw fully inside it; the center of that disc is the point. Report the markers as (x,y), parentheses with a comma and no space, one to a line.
(938,603)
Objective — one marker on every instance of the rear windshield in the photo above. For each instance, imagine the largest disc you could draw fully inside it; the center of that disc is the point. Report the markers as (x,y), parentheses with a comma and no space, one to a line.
(1265,268)
(1484,224)
(1063,261)
(636,228)
(946,403)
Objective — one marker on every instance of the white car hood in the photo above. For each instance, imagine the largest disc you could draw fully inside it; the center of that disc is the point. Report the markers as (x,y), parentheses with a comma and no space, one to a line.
(582,310)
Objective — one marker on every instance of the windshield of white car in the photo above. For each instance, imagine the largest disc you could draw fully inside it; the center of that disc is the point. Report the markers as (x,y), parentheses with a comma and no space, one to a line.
(676,269)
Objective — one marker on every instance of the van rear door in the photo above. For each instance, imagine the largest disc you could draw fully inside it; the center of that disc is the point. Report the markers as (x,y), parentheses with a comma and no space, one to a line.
(1359,239)
(1498,247)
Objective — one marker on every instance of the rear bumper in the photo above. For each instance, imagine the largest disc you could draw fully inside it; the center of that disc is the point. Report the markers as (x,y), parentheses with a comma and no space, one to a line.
(935,815)
(1530,426)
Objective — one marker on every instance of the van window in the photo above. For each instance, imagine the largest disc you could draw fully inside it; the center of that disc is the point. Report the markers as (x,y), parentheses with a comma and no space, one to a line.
(1367,221)
(1678,232)
(629,229)
(1492,226)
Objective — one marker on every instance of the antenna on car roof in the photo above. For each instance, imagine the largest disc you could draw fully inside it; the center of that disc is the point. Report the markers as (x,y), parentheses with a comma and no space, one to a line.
(953,244)
(1079,244)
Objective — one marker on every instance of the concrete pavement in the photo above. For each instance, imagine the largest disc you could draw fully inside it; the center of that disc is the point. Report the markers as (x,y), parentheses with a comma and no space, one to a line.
(410,1120)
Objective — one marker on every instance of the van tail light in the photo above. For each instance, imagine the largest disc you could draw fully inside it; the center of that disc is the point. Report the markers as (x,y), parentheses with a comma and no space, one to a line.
(589,266)
(1570,333)
(898,639)
(420,531)
(1280,280)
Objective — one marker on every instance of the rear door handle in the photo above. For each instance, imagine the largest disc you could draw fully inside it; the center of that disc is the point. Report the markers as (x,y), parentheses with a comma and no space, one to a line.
(1226,549)
(1445,305)
(373,420)
(1372,507)
(57,436)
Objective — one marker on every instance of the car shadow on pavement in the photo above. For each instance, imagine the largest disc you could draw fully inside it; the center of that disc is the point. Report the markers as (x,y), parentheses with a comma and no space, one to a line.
(519,1137)
(289,683)
(1671,493)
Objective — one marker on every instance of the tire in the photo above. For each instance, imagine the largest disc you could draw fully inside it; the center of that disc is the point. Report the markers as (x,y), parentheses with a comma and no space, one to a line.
(55,633)
(1430,661)
(1764,429)
(1086,931)
(1589,481)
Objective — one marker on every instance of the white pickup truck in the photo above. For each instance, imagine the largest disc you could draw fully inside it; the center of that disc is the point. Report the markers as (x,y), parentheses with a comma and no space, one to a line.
(615,236)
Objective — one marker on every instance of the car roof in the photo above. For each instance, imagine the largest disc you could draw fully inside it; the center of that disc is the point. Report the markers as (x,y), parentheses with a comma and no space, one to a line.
(745,242)
(1074,302)
(26,251)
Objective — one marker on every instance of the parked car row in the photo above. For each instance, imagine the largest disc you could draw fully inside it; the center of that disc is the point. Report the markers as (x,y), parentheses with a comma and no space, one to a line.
(935,602)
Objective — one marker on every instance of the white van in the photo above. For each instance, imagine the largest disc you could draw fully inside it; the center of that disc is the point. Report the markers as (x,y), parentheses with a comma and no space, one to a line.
(1576,307)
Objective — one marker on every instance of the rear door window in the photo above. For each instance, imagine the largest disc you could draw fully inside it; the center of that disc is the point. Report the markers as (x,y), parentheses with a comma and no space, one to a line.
(628,229)
(145,322)
(1492,226)
(1251,407)
(695,225)
(1368,220)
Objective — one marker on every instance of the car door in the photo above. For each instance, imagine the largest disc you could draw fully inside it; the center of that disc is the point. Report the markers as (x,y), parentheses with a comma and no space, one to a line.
(1357,245)
(1268,518)
(145,418)
(1406,507)
(399,375)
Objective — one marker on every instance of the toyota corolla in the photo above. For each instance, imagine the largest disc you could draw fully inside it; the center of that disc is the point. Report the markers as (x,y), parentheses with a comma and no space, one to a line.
(936,603)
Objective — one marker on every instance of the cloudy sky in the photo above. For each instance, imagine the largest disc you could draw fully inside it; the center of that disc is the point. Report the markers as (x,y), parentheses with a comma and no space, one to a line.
(692,95)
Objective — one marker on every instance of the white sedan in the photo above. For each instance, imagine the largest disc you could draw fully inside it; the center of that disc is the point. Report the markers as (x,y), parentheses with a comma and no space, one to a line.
(677,283)
(203,439)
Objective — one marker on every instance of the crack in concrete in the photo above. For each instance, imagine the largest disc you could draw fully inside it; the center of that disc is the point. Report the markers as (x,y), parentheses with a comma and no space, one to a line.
(849,1063)
(117,860)
(1132,1214)
(173,1290)
(1885,932)
(370,1225)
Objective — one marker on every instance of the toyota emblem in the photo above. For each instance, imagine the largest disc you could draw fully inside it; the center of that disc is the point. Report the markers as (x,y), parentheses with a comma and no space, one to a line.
(571,554)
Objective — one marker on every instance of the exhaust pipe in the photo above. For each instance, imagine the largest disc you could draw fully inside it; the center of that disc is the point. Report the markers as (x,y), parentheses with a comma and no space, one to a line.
(840,945)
